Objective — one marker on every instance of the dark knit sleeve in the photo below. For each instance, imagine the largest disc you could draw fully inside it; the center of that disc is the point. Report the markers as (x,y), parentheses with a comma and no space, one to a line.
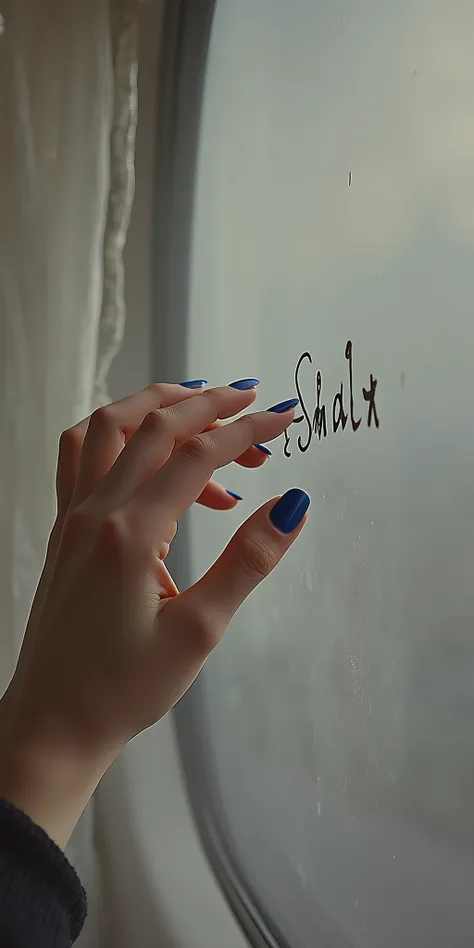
(42,902)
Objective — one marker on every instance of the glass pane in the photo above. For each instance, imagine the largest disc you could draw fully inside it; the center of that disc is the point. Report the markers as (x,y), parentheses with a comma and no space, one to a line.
(333,240)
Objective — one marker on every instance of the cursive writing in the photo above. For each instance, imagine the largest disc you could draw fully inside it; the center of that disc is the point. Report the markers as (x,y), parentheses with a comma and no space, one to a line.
(342,413)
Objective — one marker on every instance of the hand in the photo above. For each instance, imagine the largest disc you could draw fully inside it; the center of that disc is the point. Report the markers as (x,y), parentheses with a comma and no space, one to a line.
(111,644)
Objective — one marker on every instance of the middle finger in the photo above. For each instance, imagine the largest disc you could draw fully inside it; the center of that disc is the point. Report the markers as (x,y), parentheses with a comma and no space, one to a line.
(181,481)
(161,433)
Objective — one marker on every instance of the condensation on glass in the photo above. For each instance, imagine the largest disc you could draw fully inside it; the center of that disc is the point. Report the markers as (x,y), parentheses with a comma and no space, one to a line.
(335,202)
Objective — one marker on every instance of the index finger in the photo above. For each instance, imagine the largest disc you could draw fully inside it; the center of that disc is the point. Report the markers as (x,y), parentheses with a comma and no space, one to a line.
(183,478)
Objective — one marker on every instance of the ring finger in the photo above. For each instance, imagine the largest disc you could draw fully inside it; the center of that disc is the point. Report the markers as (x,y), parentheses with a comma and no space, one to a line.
(162,501)
(161,433)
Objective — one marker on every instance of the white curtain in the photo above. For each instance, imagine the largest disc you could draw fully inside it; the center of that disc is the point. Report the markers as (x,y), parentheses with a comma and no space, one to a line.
(67,122)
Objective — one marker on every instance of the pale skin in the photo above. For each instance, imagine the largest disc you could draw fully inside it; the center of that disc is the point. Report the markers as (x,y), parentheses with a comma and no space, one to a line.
(111,644)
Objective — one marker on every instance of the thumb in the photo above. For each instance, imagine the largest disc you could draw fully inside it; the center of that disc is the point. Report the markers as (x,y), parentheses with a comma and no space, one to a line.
(254,551)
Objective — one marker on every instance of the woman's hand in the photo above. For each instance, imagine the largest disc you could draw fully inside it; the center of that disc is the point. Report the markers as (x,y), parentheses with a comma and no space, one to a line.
(111,644)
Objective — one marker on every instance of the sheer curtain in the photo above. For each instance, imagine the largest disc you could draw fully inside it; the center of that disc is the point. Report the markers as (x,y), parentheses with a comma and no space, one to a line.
(67,121)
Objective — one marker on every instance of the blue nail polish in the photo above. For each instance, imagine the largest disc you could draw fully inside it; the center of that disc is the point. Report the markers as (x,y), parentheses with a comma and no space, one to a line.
(235,496)
(244,384)
(284,406)
(194,383)
(263,449)
(289,511)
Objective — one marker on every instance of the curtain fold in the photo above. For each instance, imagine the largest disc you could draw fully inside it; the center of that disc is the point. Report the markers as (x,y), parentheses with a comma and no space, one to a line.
(68,111)
(124,32)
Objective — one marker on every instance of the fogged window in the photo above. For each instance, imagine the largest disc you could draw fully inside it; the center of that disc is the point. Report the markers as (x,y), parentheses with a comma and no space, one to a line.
(332,249)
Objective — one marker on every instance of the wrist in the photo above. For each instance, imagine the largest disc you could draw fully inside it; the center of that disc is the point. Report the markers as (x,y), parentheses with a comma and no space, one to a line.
(47,776)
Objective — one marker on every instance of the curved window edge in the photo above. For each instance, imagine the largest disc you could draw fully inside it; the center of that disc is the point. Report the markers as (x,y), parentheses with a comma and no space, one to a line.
(182,67)
(212,826)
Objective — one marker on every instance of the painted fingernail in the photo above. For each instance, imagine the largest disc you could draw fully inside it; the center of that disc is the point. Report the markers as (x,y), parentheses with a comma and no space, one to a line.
(263,449)
(194,383)
(235,496)
(244,384)
(284,406)
(289,511)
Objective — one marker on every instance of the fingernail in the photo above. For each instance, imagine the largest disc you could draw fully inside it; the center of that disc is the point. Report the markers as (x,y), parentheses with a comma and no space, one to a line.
(289,511)
(235,496)
(284,406)
(194,383)
(264,449)
(244,384)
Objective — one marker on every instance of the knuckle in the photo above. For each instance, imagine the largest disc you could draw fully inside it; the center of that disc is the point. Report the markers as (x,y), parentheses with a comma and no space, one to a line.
(156,389)
(102,419)
(211,396)
(156,422)
(70,442)
(196,449)
(79,525)
(247,425)
(113,534)
(203,634)
(255,558)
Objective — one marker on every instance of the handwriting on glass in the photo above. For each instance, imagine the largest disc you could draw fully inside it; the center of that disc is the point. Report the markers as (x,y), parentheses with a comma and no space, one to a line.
(336,415)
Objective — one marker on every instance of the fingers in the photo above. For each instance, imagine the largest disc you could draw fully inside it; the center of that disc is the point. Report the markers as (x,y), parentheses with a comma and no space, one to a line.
(112,426)
(128,413)
(70,445)
(217,497)
(253,457)
(161,433)
(173,489)
(203,611)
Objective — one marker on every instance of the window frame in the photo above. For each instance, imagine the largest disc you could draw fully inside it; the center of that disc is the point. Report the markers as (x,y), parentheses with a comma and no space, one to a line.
(181,77)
